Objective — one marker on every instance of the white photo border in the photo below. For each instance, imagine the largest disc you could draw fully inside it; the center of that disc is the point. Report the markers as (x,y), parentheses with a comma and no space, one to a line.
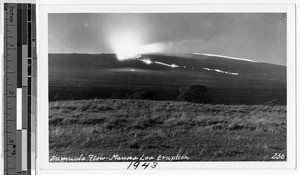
(221,167)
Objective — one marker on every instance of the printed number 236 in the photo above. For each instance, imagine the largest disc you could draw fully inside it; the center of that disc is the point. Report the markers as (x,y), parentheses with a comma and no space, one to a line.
(278,156)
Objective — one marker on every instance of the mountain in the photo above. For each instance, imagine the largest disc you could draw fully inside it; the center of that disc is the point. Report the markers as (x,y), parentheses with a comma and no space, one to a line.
(228,79)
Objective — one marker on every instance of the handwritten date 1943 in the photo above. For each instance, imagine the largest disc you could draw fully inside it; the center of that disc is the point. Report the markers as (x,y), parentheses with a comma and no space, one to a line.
(142,165)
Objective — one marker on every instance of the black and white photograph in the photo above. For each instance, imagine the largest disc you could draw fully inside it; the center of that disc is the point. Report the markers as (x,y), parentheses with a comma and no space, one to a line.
(167,87)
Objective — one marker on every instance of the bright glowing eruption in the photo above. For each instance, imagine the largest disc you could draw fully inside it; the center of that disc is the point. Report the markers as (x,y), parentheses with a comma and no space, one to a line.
(125,45)
(147,61)
(129,46)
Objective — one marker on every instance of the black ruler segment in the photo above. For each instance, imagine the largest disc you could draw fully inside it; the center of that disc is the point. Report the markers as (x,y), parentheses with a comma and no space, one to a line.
(24,23)
(29,12)
(19,88)
(29,64)
(29,39)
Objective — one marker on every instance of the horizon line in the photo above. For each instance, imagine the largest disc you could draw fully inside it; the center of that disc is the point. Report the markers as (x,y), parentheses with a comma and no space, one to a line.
(194,53)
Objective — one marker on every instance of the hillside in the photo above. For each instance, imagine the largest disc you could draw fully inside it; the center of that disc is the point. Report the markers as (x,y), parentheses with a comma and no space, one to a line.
(202,132)
(87,76)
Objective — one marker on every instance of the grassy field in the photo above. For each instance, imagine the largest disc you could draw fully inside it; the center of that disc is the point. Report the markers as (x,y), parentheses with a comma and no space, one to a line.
(201,132)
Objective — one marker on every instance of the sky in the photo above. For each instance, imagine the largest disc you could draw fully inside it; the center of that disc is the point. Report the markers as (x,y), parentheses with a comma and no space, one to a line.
(256,36)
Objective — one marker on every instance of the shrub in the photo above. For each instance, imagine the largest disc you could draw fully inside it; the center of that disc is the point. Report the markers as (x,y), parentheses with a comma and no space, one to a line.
(117,95)
(134,95)
(139,95)
(192,93)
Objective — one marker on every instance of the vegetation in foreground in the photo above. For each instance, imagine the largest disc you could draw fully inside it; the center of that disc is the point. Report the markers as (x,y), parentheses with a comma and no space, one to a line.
(202,132)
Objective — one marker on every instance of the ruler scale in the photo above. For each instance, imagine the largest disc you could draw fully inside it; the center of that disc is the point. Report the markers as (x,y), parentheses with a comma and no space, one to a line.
(19,88)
